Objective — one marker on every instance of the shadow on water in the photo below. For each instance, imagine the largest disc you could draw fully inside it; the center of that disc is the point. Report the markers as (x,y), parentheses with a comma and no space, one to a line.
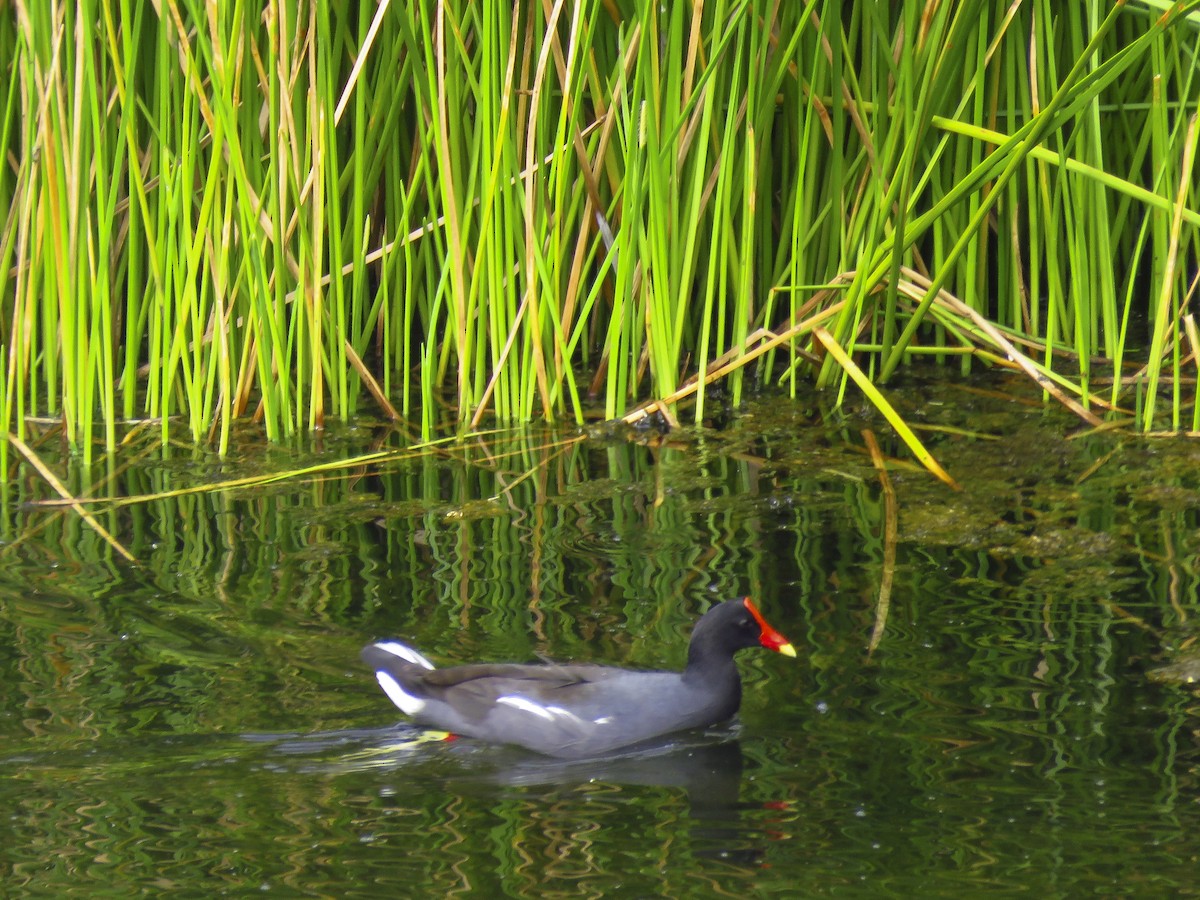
(705,769)
(707,765)
(199,723)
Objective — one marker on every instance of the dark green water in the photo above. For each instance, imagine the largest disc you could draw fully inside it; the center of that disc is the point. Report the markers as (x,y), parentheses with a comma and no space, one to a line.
(198,722)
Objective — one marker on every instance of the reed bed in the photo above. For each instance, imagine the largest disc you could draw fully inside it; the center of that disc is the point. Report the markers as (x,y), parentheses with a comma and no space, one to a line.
(295,210)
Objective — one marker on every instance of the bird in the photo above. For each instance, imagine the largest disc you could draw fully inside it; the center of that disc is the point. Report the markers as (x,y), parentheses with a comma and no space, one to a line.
(577,711)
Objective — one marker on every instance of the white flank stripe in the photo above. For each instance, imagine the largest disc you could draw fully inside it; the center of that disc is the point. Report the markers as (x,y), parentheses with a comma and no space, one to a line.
(405,652)
(408,704)
(565,713)
(526,705)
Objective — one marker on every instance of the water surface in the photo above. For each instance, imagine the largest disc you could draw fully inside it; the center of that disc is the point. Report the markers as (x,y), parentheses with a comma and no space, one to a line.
(198,721)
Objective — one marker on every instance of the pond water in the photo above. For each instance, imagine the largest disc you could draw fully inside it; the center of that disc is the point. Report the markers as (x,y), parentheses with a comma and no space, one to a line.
(198,721)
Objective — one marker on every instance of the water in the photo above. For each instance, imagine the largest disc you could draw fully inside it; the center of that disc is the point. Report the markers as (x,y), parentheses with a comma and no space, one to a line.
(198,722)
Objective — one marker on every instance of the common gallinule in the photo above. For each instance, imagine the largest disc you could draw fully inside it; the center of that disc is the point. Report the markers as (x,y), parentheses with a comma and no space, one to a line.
(579,710)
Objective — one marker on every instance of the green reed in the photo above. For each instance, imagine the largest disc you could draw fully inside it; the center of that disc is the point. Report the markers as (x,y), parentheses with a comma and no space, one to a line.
(293,210)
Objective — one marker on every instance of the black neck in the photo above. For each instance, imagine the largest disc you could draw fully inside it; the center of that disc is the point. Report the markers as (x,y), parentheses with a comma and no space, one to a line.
(709,667)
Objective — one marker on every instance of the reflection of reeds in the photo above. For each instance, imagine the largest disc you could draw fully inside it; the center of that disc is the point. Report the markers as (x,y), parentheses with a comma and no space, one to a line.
(503,526)
(286,211)
(887,571)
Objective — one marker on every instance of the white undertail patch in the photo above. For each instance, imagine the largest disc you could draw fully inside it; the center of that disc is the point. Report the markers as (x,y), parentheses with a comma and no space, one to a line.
(405,652)
(408,704)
